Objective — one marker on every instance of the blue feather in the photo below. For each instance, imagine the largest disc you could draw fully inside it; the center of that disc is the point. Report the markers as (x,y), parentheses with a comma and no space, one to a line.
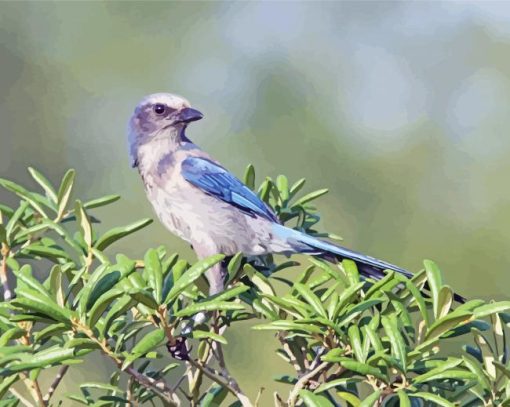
(217,181)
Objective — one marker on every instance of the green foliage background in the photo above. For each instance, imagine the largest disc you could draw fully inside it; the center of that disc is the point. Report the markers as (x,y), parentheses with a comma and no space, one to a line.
(400,109)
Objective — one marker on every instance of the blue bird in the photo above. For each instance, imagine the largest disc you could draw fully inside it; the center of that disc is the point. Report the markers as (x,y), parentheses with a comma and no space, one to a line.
(203,203)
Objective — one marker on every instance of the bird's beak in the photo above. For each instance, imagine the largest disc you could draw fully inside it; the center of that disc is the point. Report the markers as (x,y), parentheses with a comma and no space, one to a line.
(188,115)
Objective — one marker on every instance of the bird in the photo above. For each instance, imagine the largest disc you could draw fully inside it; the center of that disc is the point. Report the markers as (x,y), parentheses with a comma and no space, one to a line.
(200,201)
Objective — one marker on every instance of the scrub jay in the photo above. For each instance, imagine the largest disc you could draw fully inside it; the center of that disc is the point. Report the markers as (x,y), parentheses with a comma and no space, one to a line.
(203,203)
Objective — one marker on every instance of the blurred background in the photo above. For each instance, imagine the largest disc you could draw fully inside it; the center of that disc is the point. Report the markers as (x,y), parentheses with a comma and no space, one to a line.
(401,109)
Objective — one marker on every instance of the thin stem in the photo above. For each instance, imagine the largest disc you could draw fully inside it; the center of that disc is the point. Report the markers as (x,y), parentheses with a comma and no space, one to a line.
(303,381)
(216,377)
(157,386)
(58,378)
(218,353)
(34,389)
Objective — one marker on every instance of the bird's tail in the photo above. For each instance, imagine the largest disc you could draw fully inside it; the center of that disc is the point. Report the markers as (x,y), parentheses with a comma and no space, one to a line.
(368,266)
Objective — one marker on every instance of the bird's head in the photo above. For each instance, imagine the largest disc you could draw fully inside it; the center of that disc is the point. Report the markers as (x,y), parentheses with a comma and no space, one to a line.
(160,115)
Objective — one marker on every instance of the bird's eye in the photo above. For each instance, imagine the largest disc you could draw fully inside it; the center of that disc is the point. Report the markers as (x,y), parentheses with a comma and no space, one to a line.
(159,108)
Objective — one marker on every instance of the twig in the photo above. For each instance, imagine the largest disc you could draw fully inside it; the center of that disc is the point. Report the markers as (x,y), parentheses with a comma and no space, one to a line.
(129,392)
(58,378)
(3,273)
(34,389)
(216,377)
(157,386)
(297,364)
(22,399)
(303,381)
(218,353)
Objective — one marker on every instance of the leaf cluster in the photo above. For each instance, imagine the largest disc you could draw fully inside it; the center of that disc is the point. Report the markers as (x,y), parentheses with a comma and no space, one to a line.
(349,340)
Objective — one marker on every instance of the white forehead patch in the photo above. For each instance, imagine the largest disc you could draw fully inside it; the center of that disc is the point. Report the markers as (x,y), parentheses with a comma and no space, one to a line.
(168,99)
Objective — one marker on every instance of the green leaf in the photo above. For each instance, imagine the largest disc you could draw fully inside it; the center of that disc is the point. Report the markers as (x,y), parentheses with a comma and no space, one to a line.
(314,400)
(284,325)
(35,200)
(148,343)
(34,301)
(99,306)
(282,183)
(434,398)
(474,366)
(105,200)
(64,192)
(25,279)
(337,383)
(451,321)
(143,297)
(456,374)
(371,400)
(44,183)
(355,341)
(398,347)
(487,354)
(445,300)
(403,399)
(351,271)
(502,368)
(492,308)
(377,287)
(84,222)
(41,359)
(420,301)
(361,368)
(10,334)
(235,291)
(435,282)
(296,187)
(193,273)
(82,343)
(265,189)
(50,253)
(197,334)
(154,273)
(234,265)
(310,197)
(104,284)
(357,310)
(6,385)
(214,396)
(119,308)
(15,218)
(249,176)
(55,285)
(375,340)
(118,233)
(346,298)
(311,299)
(208,306)
(51,330)
(350,398)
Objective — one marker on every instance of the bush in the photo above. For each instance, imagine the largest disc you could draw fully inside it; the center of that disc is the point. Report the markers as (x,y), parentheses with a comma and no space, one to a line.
(350,341)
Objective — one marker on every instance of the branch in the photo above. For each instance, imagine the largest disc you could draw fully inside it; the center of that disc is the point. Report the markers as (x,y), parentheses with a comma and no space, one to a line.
(218,353)
(157,386)
(303,381)
(216,377)
(58,378)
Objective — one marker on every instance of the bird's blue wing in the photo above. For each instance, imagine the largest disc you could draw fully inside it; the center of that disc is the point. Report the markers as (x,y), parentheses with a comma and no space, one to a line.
(217,181)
